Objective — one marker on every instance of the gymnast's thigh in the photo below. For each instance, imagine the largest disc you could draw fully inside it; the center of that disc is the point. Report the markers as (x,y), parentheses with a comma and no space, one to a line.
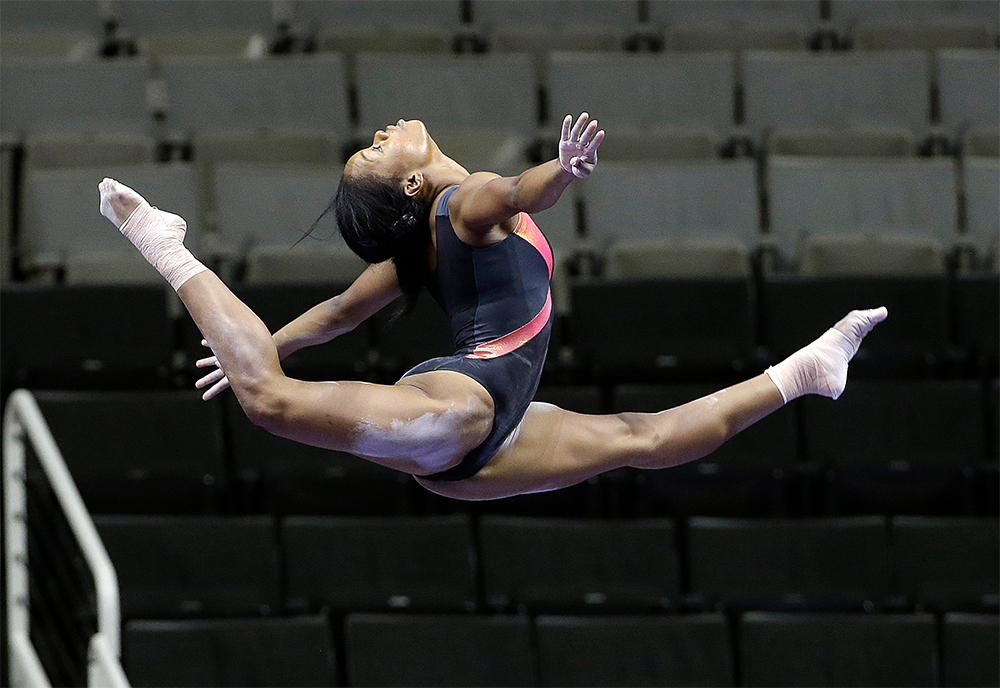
(553,448)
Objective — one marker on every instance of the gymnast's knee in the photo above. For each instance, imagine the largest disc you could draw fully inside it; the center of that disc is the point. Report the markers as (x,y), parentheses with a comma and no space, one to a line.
(264,404)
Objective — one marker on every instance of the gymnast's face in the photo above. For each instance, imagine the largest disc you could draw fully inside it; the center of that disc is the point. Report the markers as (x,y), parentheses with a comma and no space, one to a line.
(396,151)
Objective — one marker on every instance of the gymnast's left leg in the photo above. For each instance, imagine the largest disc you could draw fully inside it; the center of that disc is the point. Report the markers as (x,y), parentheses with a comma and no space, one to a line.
(554,448)
(421,425)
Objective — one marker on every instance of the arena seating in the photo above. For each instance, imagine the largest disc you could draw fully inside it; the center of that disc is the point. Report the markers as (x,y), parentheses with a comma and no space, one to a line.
(294,651)
(833,649)
(769,166)
(552,564)
(634,651)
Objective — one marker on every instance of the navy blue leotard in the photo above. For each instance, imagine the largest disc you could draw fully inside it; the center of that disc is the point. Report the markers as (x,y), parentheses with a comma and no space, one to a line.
(500,307)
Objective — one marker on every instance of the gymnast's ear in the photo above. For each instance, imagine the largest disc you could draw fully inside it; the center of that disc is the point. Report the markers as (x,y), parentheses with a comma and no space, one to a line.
(413,184)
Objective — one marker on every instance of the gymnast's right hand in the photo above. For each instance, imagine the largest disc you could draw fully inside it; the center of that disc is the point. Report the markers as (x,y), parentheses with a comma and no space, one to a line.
(578,146)
(216,378)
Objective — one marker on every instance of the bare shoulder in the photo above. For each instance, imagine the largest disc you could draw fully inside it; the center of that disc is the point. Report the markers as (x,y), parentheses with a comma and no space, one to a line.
(481,203)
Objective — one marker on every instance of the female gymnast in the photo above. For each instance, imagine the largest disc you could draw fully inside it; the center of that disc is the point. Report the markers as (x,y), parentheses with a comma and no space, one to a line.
(463,425)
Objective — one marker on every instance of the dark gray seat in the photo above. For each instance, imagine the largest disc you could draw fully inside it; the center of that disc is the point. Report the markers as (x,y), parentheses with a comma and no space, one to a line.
(141,452)
(290,651)
(375,564)
(969,650)
(837,563)
(560,564)
(176,566)
(838,650)
(690,650)
(437,650)
(946,563)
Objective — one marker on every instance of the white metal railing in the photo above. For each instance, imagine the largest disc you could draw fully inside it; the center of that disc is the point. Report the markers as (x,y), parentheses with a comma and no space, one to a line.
(23,422)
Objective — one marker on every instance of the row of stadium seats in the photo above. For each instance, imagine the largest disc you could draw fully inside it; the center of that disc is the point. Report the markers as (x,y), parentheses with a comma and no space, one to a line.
(113,28)
(822,215)
(884,447)
(666,330)
(452,650)
(498,92)
(187,566)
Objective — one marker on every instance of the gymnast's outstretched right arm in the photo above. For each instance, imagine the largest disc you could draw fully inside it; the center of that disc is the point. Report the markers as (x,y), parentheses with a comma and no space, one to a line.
(375,288)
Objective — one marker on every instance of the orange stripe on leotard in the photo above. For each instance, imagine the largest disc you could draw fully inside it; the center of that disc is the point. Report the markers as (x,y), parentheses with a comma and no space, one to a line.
(527,230)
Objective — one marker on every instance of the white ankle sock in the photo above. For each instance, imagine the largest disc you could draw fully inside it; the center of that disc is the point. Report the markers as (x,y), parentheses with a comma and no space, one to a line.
(158,235)
(821,367)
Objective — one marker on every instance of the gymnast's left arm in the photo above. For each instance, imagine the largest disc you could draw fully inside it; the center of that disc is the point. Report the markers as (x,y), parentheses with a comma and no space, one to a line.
(485,199)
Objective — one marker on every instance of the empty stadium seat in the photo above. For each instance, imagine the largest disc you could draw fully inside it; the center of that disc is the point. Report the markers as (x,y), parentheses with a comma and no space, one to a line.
(913,340)
(273,204)
(669,258)
(7,192)
(293,651)
(367,12)
(634,651)
(175,566)
(750,475)
(812,195)
(738,35)
(88,149)
(969,650)
(257,156)
(491,93)
(286,477)
(86,336)
(982,187)
(877,141)
(789,564)
(844,12)
(92,95)
(838,650)
(313,263)
(897,446)
(675,90)
(662,325)
(298,92)
(40,15)
(660,144)
(676,201)
(127,453)
(900,34)
(946,563)
(969,87)
(557,564)
(875,88)
(437,650)
(975,307)
(671,11)
(871,255)
(61,217)
(378,564)
(139,17)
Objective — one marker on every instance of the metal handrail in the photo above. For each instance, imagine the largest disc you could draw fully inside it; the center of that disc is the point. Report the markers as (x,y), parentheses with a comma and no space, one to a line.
(23,420)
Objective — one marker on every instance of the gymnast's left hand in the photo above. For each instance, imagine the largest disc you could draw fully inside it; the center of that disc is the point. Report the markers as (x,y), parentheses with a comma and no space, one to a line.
(578,146)
(217,379)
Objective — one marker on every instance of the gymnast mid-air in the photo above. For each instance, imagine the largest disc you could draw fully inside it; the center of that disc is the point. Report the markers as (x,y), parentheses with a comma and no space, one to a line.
(464,425)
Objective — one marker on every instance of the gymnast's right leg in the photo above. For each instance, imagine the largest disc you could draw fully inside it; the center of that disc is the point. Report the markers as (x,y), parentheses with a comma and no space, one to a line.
(555,448)
(424,424)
